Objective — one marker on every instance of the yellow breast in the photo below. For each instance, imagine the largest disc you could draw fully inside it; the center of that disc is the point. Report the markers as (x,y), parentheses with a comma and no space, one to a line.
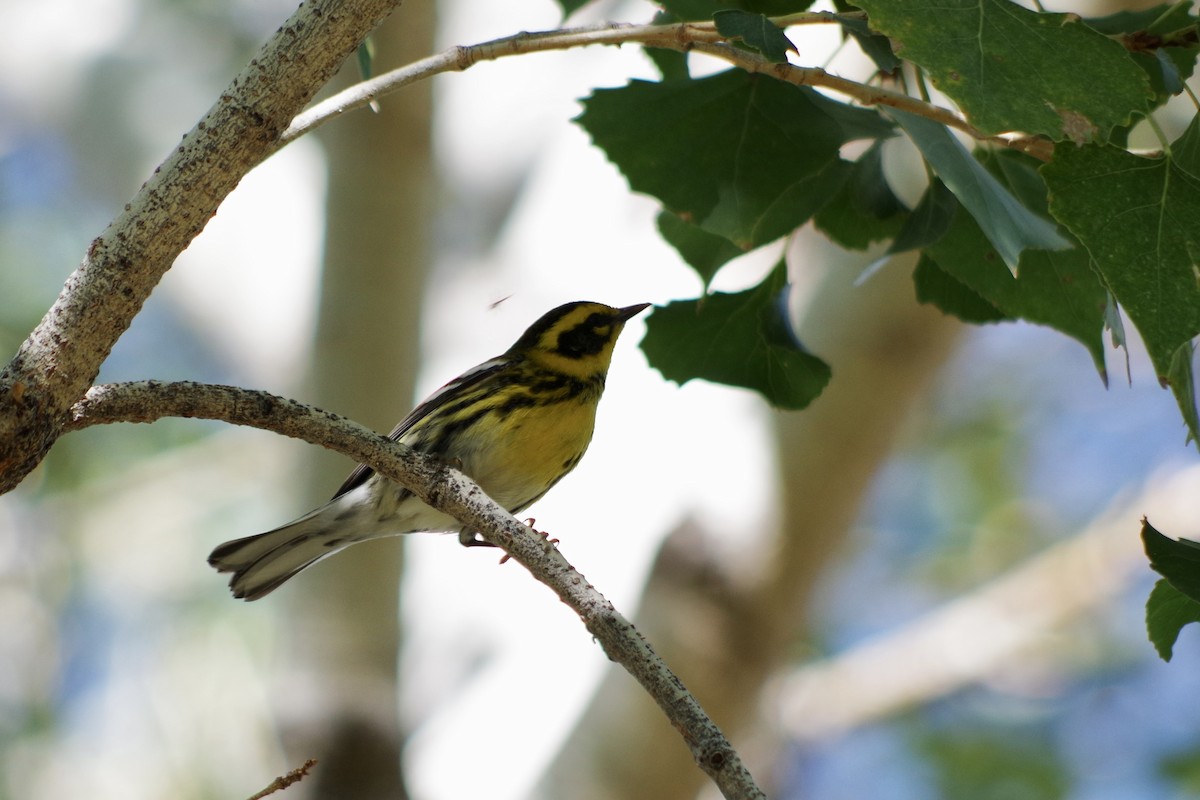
(528,450)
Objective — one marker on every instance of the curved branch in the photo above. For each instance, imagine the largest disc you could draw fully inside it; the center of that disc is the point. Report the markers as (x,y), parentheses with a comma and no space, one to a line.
(454,493)
(683,37)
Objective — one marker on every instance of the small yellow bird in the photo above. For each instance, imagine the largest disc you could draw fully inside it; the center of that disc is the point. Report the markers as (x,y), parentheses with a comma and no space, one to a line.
(515,424)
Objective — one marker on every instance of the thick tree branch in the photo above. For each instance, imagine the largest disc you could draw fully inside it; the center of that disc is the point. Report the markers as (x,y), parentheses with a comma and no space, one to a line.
(452,492)
(683,37)
(62,356)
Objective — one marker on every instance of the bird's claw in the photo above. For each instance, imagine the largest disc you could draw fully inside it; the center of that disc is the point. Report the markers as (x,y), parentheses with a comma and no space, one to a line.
(530,522)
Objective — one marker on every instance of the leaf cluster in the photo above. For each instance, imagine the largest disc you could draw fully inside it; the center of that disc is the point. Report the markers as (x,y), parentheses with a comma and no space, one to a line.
(739,160)
(1049,217)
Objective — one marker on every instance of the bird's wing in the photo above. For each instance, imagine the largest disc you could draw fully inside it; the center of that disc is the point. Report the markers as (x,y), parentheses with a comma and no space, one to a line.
(471,377)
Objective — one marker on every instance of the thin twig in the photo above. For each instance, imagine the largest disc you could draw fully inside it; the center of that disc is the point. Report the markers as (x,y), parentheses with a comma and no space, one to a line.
(682,37)
(284,781)
(452,492)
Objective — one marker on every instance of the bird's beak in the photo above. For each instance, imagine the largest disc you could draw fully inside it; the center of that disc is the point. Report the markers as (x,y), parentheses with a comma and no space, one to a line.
(623,314)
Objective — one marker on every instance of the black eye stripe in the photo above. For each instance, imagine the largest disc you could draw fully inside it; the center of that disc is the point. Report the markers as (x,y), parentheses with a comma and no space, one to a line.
(585,339)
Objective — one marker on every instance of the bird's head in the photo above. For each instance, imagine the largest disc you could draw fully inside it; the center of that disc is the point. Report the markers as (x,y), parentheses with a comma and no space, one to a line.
(576,339)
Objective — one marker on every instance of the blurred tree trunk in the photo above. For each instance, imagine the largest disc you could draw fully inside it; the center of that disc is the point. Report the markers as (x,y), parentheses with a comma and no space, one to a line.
(343,615)
(727,635)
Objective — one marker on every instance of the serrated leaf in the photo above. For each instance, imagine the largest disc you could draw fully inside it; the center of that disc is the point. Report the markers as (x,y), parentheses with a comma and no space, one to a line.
(741,339)
(1168,68)
(703,251)
(1167,612)
(1177,560)
(1182,380)
(1008,225)
(1162,40)
(762,159)
(755,31)
(1139,218)
(704,9)
(1011,69)
(1056,289)
(937,287)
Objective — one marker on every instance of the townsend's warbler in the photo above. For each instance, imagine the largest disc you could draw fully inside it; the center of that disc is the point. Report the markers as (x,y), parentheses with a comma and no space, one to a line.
(515,424)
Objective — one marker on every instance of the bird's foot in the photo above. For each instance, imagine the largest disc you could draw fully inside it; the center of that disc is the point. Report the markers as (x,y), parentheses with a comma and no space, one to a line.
(530,522)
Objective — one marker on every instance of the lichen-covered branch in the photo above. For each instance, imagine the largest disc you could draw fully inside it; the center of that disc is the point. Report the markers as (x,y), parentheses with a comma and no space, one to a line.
(454,493)
(62,356)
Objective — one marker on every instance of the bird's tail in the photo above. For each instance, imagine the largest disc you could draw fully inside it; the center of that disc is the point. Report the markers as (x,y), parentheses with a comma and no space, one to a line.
(262,563)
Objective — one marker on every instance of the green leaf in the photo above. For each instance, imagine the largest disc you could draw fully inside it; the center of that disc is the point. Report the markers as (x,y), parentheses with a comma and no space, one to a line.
(1182,768)
(761,157)
(1161,40)
(1177,560)
(1113,323)
(1010,226)
(672,64)
(1167,611)
(741,339)
(877,48)
(929,221)
(1000,759)
(365,56)
(705,252)
(1182,381)
(1011,69)
(1056,289)
(865,210)
(937,287)
(704,9)
(1161,20)
(569,7)
(1176,601)
(869,186)
(756,31)
(1186,150)
(1139,218)
(1116,328)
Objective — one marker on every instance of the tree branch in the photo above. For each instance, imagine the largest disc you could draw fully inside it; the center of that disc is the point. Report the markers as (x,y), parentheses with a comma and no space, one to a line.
(454,493)
(683,37)
(63,354)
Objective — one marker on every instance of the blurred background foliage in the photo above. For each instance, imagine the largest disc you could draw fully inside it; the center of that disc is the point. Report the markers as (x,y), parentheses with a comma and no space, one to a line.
(125,669)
